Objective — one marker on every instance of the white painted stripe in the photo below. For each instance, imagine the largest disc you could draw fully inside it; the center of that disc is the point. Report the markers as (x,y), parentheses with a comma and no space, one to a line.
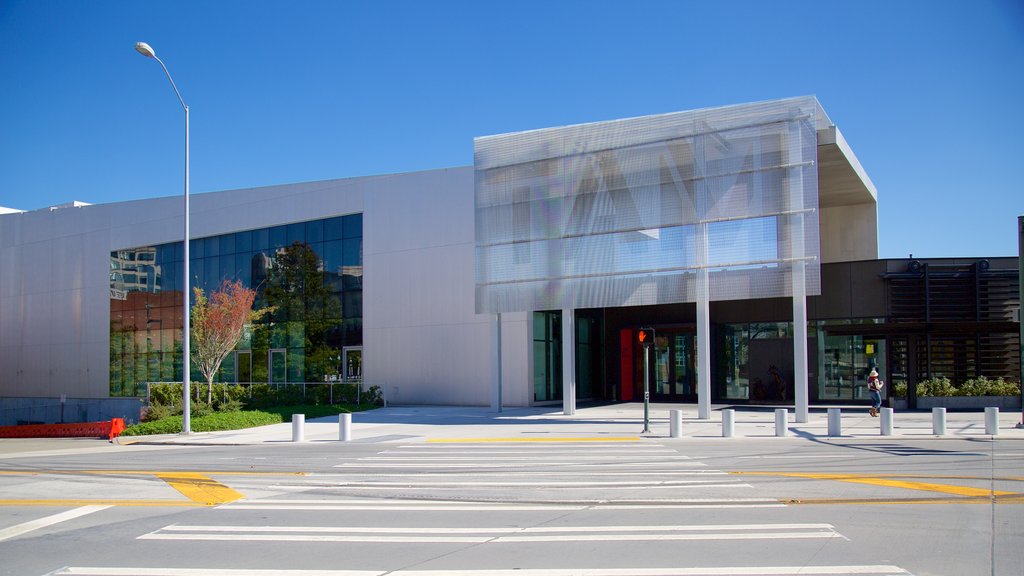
(687,571)
(503,458)
(534,484)
(493,464)
(384,504)
(648,472)
(442,539)
(495,529)
(407,487)
(31,525)
(481,451)
(125,571)
(792,457)
(407,508)
(450,506)
(518,507)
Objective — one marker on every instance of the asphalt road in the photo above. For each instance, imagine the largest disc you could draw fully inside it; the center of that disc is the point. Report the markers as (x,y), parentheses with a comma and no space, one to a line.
(597,506)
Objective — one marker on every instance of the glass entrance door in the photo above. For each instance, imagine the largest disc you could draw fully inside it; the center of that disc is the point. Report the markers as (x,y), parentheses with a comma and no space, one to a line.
(673,365)
(353,363)
(243,367)
(278,366)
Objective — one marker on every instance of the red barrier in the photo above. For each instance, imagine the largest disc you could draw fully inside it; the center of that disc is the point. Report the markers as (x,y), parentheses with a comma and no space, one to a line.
(108,430)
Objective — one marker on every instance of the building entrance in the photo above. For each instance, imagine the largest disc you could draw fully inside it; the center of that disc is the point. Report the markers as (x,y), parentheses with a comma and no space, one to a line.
(673,365)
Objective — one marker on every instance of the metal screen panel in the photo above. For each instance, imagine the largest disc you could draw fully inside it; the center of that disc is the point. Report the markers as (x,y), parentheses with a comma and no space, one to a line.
(717,204)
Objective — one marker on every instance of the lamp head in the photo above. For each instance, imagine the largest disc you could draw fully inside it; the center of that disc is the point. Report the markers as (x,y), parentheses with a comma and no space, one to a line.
(145,50)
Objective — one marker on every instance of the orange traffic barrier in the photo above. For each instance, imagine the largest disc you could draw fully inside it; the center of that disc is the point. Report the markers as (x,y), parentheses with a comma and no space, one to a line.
(108,430)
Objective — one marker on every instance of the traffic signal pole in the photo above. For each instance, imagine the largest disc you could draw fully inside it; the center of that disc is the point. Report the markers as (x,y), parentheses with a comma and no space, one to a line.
(646,339)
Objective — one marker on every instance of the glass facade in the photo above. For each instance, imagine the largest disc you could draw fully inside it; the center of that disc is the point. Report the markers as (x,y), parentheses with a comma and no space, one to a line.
(755,361)
(547,356)
(311,272)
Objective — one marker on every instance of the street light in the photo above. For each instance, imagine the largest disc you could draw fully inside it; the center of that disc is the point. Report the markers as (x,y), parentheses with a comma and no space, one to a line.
(186,365)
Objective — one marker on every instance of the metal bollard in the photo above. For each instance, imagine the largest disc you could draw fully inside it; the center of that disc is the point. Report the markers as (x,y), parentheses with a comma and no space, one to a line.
(345,427)
(939,421)
(298,427)
(992,421)
(835,425)
(727,423)
(885,424)
(675,423)
(781,414)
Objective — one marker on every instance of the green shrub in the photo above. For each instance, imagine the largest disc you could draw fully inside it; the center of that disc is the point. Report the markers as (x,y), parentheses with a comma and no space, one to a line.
(373,395)
(230,406)
(208,423)
(159,412)
(213,421)
(899,389)
(981,386)
(935,387)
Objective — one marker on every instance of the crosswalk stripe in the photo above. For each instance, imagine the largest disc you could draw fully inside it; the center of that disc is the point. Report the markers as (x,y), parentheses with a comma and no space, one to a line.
(535,484)
(532,506)
(26,527)
(494,535)
(500,529)
(534,458)
(863,570)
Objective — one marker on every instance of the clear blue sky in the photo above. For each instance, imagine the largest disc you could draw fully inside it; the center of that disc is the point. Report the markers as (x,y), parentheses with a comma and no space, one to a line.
(929,94)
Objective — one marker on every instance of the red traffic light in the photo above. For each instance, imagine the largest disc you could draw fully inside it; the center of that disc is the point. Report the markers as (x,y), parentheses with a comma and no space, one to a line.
(645,336)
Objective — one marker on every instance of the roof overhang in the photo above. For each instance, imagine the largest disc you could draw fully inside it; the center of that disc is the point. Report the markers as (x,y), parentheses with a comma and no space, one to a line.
(842,181)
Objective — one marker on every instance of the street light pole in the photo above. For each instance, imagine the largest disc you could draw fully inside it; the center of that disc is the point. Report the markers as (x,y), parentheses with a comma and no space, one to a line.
(186,364)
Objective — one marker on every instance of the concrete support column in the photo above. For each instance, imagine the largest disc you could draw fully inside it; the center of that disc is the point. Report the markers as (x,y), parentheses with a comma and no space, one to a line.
(795,225)
(800,383)
(704,358)
(568,361)
(496,382)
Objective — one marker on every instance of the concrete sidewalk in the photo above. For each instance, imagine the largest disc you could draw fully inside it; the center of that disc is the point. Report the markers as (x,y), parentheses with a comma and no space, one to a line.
(617,421)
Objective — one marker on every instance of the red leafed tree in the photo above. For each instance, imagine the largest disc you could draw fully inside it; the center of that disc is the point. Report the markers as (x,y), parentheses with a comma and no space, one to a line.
(218,323)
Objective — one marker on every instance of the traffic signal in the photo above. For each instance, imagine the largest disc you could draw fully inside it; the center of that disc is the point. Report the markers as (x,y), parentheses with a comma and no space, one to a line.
(645,336)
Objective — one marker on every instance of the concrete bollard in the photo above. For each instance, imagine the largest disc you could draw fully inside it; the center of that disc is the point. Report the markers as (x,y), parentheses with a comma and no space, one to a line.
(835,425)
(781,414)
(885,422)
(939,421)
(675,423)
(728,429)
(345,427)
(298,427)
(992,421)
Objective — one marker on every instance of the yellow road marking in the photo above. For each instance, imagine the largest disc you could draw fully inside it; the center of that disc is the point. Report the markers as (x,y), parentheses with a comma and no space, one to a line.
(564,439)
(887,481)
(1010,499)
(200,488)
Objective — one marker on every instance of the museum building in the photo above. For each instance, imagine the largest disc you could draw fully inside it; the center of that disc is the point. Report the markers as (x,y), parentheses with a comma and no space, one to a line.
(745,236)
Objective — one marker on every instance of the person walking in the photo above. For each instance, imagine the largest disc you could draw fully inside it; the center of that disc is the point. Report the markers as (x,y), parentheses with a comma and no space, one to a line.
(875,392)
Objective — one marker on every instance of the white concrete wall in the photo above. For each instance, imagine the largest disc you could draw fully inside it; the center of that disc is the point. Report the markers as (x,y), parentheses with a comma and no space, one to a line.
(848,233)
(423,341)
